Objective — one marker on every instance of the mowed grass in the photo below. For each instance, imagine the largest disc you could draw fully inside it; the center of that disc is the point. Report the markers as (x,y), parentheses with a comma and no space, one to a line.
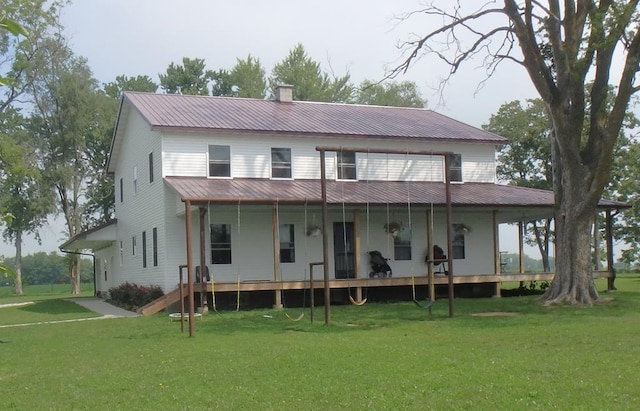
(378,356)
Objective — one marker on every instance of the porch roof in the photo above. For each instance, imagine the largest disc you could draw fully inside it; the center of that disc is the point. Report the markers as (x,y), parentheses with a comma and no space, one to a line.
(263,191)
(93,239)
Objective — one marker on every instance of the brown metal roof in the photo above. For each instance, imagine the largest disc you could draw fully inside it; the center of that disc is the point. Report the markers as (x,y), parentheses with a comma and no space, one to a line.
(205,113)
(200,189)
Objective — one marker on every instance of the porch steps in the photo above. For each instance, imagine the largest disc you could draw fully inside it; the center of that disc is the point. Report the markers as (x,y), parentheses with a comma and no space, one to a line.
(162,302)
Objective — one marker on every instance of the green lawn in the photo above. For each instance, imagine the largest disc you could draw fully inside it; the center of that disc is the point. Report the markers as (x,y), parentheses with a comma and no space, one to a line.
(378,356)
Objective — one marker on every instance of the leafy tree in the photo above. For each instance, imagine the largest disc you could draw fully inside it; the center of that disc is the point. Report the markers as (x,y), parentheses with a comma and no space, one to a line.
(188,78)
(560,45)
(64,121)
(394,93)
(122,83)
(248,78)
(309,81)
(526,160)
(22,191)
(51,268)
(24,56)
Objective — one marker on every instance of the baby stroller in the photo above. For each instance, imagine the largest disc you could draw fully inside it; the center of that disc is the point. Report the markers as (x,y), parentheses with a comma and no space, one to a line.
(379,266)
(439,258)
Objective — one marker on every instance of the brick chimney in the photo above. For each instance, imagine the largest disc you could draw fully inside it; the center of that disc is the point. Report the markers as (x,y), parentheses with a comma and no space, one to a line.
(284,93)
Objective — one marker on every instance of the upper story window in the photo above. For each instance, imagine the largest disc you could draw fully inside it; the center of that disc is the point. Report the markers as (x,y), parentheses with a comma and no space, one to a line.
(280,163)
(219,161)
(455,168)
(151,167)
(346,165)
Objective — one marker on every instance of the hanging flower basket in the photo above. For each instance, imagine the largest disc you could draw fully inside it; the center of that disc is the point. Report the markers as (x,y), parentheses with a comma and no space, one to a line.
(313,230)
(393,228)
(462,228)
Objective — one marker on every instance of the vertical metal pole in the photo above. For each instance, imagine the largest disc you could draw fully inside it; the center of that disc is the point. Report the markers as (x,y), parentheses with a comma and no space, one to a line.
(325,241)
(187,211)
(181,299)
(447,183)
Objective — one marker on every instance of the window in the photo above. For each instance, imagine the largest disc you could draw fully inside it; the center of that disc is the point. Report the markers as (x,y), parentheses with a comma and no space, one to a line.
(133,246)
(144,249)
(121,189)
(455,168)
(221,243)
(402,245)
(281,163)
(151,167)
(287,244)
(135,180)
(121,254)
(219,161)
(346,165)
(458,246)
(155,246)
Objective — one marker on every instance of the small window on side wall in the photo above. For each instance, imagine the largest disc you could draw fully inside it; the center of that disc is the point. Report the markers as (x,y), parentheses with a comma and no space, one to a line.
(220,243)
(455,168)
(280,163)
(219,161)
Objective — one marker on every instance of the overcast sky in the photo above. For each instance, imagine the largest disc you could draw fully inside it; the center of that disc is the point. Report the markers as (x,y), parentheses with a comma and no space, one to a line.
(361,37)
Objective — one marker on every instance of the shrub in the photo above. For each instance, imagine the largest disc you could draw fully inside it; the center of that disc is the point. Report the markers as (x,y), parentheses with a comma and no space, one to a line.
(131,296)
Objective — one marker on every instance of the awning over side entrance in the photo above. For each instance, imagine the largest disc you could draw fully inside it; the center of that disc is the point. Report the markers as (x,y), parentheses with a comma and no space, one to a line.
(93,239)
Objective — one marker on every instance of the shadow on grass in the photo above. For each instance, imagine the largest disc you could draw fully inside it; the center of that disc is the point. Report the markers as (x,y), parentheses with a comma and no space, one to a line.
(54,307)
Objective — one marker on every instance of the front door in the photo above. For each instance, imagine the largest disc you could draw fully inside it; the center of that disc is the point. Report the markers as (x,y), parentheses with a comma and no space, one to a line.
(343,245)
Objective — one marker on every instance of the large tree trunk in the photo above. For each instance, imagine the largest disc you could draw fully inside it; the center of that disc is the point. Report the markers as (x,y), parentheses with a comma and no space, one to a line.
(74,271)
(18,265)
(574,209)
(573,282)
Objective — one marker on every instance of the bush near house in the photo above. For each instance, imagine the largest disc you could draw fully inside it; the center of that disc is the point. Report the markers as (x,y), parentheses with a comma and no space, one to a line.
(131,296)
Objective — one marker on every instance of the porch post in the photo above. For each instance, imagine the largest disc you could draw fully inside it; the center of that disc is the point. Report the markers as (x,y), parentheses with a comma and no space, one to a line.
(357,250)
(325,240)
(612,271)
(521,247)
(187,214)
(203,261)
(596,244)
(449,218)
(496,251)
(430,274)
(277,275)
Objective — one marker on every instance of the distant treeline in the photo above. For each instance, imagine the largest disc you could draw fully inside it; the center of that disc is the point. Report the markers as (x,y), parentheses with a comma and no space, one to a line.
(52,268)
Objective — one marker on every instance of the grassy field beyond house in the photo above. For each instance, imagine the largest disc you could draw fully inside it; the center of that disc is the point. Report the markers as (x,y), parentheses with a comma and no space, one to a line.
(382,356)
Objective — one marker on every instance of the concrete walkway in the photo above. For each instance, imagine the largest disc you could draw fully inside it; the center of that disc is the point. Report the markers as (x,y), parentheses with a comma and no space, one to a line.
(99,306)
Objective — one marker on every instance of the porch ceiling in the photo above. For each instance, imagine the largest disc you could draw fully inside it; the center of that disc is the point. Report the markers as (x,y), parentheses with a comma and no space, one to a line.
(263,191)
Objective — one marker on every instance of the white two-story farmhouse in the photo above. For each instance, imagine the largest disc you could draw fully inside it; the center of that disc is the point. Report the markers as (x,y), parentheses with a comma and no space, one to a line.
(235,185)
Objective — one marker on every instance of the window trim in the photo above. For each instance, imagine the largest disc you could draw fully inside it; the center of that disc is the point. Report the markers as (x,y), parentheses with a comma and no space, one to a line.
(342,167)
(455,169)
(225,247)
(144,249)
(284,165)
(151,167)
(290,246)
(154,245)
(218,162)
